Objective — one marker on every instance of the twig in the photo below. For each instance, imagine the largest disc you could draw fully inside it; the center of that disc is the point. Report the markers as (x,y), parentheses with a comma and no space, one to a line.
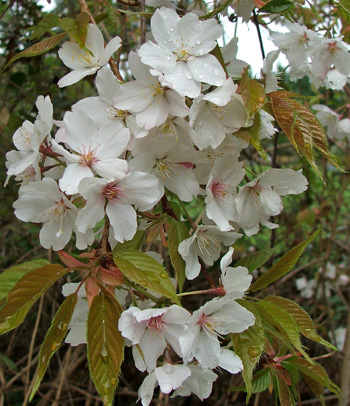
(142,23)
(31,347)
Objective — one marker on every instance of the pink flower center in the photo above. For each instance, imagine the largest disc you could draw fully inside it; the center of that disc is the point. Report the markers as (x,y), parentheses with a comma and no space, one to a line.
(88,157)
(156,323)
(219,190)
(114,193)
(332,47)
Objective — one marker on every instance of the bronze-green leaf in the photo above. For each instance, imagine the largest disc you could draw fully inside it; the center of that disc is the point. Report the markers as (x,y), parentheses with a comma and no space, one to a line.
(249,346)
(26,292)
(39,48)
(145,271)
(54,338)
(301,317)
(77,29)
(253,94)
(280,319)
(302,128)
(284,265)
(176,234)
(105,345)
(135,243)
(11,276)
(315,372)
(46,24)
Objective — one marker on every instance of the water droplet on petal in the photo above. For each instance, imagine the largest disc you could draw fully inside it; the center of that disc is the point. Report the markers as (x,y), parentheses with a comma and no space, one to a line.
(172,29)
(163,275)
(198,41)
(168,57)
(143,283)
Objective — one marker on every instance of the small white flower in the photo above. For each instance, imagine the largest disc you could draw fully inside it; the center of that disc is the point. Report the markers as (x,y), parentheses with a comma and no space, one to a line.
(258,200)
(43,202)
(150,330)
(116,199)
(205,243)
(86,62)
(218,317)
(95,150)
(181,52)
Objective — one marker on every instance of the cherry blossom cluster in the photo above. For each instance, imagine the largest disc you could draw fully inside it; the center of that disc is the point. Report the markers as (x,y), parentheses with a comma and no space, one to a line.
(326,61)
(170,132)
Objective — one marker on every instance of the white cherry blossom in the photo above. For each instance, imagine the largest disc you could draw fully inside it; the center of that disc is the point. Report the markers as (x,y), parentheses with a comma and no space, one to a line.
(205,243)
(147,97)
(181,51)
(225,176)
(28,139)
(95,150)
(216,318)
(258,200)
(86,61)
(43,202)
(116,199)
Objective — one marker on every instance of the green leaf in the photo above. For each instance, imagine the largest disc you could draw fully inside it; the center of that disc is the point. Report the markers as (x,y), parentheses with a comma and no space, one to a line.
(344,9)
(280,319)
(249,346)
(26,292)
(315,372)
(54,338)
(255,260)
(302,128)
(300,316)
(146,272)
(11,276)
(253,94)
(276,6)
(283,266)
(46,24)
(176,234)
(105,345)
(77,29)
(284,393)
(135,243)
(260,383)
(39,48)
(7,361)
(254,131)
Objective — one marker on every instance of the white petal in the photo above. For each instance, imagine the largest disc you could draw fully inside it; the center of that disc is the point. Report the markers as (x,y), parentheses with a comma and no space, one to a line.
(207,69)
(114,44)
(75,76)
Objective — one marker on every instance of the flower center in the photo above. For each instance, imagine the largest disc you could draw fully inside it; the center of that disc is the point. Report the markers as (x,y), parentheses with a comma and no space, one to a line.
(220,190)
(82,57)
(158,90)
(165,168)
(332,47)
(205,242)
(208,325)
(88,157)
(114,193)
(156,323)
(56,213)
